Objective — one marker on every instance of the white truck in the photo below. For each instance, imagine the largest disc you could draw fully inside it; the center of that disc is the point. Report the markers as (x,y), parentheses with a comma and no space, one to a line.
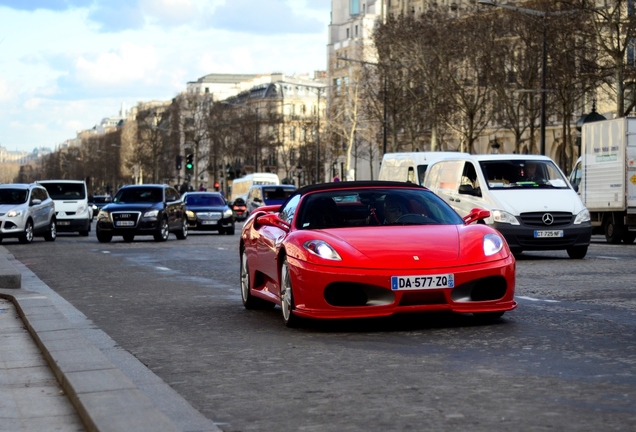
(605,177)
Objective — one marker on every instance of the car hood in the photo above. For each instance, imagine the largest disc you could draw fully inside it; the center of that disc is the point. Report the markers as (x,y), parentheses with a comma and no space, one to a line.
(131,207)
(517,201)
(401,247)
(6,207)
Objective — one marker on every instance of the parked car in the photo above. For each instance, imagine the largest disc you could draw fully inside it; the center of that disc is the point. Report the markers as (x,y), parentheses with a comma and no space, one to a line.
(266,195)
(72,212)
(239,209)
(150,209)
(26,210)
(340,250)
(208,211)
(97,202)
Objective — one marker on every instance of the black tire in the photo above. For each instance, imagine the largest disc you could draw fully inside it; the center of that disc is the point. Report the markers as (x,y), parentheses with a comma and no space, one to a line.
(182,234)
(103,237)
(51,233)
(129,238)
(613,231)
(164,231)
(249,301)
(287,304)
(230,231)
(629,237)
(577,252)
(27,235)
(487,317)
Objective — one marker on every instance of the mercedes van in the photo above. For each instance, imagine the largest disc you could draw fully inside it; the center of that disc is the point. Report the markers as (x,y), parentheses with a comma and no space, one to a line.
(409,166)
(71,205)
(529,198)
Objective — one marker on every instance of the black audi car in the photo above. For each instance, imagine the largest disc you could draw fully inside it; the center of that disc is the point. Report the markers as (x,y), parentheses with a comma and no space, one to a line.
(149,209)
(208,211)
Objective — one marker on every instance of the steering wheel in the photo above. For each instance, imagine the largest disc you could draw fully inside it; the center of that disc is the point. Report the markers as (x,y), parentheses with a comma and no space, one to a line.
(413,218)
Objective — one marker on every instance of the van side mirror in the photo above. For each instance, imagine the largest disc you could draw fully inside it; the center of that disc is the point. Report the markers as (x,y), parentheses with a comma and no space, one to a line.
(467,189)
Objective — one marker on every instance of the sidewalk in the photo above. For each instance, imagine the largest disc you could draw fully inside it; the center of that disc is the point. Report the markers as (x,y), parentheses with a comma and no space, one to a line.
(58,372)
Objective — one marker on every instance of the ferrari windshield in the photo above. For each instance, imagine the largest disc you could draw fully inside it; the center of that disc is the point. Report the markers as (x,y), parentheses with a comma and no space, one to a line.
(516,174)
(374,206)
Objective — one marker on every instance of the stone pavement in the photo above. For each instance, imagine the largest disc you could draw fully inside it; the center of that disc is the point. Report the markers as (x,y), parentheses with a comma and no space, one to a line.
(60,373)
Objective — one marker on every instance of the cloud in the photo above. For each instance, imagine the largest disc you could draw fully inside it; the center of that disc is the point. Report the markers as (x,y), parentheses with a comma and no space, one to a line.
(118,15)
(263,18)
(171,12)
(54,5)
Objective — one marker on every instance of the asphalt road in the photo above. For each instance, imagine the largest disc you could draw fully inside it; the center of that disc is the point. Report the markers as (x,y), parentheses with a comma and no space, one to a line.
(564,360)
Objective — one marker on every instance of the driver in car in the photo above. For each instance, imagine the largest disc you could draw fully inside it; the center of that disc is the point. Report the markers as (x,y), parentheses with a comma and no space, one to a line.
(393,209)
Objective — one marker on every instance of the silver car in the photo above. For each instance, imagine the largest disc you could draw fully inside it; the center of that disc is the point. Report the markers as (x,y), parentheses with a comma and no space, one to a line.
(26,210)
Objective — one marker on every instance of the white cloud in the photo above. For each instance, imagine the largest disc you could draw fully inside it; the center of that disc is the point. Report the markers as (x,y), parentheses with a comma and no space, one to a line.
(129,63)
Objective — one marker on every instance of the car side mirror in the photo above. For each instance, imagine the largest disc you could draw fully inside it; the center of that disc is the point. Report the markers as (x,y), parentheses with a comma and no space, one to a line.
(271,219)
(475,215)
(466,189)
(36,201)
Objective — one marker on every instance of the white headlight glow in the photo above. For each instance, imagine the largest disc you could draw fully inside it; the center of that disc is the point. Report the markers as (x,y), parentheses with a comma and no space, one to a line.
(322,249)
(492,244)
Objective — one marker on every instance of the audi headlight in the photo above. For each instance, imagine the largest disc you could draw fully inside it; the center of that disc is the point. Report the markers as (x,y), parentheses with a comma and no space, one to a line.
(492,244)
(322,249)
(504,217)
(227,213)
(103,215)
(583,216)
(14,213)
(151,214)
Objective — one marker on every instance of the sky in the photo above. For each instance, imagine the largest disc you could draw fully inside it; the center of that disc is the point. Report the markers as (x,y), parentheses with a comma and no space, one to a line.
(67,64)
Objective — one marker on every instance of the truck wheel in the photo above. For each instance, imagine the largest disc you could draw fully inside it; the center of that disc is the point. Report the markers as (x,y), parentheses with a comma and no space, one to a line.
(629,237)
(613,231)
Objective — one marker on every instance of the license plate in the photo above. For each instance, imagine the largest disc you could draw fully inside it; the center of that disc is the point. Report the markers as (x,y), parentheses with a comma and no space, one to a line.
(125,223)
(548,234)
(61,223)
(208,222)
(399,283)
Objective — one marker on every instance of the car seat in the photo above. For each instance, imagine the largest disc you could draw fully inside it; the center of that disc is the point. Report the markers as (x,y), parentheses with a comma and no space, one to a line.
(322,212)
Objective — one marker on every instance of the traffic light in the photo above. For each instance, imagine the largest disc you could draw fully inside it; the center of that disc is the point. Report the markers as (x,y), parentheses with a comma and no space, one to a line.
(217,186)
(189,163)
(179,159)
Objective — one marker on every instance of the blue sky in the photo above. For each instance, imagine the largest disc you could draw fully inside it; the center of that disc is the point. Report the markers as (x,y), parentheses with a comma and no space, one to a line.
(66,64)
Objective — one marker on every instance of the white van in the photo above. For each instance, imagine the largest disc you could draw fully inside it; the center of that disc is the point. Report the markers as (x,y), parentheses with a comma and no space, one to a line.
(409,166)
(530,200)
(241,186)
(72,211)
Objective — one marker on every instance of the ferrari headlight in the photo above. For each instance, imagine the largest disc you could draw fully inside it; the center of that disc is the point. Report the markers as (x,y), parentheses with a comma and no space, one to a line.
(151,214)
(322,249)
(228,213)
(14,213)
(583,216)
(504,217)
(492,244)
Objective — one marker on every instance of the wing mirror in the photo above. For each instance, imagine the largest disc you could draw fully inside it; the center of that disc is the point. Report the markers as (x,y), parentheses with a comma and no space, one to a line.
(475,215)
(271,219)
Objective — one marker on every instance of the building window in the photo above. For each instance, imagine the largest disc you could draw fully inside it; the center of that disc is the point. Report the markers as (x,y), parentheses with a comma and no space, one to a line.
(356,31)
(348,35)
(354,7)
(292,133)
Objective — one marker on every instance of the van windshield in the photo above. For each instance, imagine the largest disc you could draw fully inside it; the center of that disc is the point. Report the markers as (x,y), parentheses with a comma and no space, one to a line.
(521,174)
(65,191)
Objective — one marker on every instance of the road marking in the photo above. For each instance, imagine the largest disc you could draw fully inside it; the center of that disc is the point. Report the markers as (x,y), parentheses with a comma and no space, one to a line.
(163,268)
(608,257)
(536,299)
(106,252)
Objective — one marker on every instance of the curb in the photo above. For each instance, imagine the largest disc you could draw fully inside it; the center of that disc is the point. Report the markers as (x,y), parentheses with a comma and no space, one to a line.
(105,399)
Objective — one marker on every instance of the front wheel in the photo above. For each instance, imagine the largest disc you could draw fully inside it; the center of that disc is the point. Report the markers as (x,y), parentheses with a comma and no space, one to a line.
(51,233)
(249,301)
(103,237)
(182,234)
(577,252)
(287,297)
(613,231)
(27,235)
(164,231)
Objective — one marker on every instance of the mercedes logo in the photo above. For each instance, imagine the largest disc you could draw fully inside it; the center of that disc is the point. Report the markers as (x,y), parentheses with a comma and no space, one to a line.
(547,219)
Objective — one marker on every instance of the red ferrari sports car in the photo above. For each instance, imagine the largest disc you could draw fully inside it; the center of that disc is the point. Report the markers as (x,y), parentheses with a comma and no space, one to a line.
(372,249)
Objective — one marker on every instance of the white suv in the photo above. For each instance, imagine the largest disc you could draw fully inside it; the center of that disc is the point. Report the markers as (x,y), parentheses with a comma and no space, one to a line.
(26,211)
(72,212)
